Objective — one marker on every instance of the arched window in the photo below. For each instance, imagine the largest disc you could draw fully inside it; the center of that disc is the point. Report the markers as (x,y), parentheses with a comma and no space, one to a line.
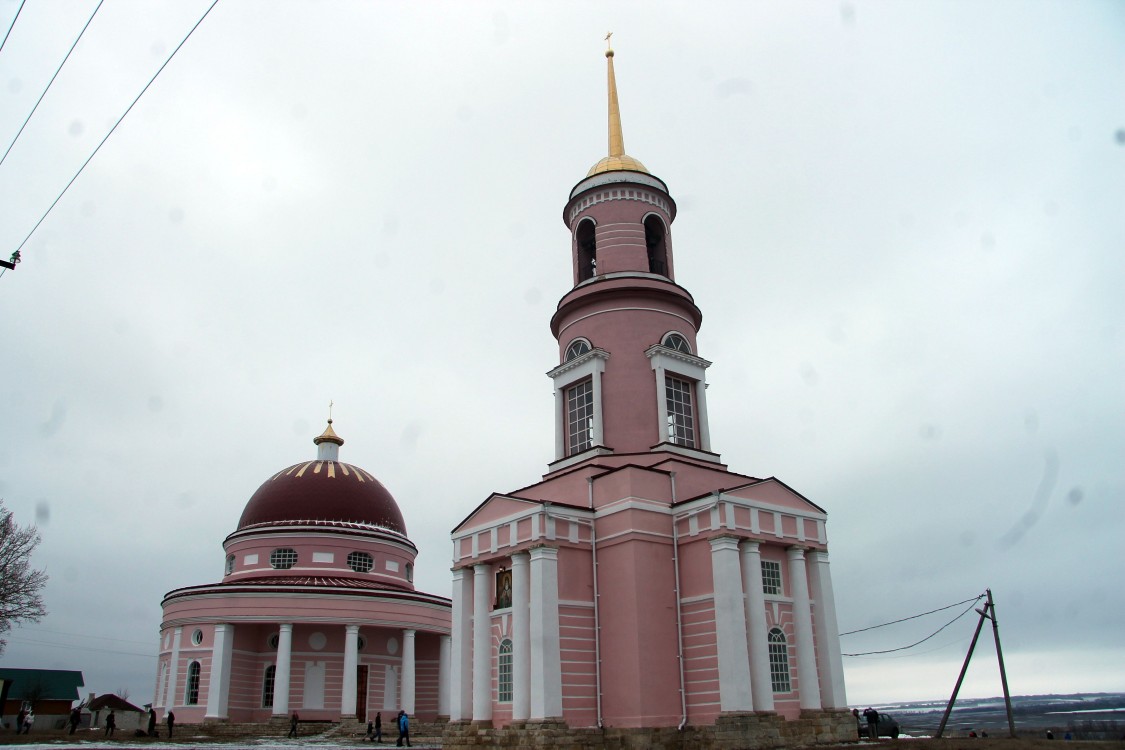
(267,686)
(677,342)
(587,250)
(504,672)
(283,558)
(191,695)
(360,562)
(657,247)
(230,564)
(410,572)
(577,348)
(779,661)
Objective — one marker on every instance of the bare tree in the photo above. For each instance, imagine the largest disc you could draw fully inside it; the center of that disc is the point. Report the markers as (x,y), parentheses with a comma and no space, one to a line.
(21,585)
(122,693)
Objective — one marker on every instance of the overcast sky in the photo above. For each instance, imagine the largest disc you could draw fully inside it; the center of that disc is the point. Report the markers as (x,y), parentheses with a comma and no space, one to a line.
(904,224)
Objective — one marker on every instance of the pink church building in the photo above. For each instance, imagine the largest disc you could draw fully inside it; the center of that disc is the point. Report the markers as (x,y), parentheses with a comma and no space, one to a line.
(642,591)
(316,612)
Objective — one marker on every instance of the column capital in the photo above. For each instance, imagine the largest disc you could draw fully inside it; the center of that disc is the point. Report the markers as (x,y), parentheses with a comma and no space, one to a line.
(819,555)
(409,632)
(459,573)
(480,567)
(543,551)
(351,629)
(285,627)
(751,545)
(724,542)
(796,552)
(520,558)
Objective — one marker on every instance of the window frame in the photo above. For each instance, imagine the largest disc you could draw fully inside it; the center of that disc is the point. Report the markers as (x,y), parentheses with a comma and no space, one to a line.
(269,679)
(356,555)
(781,678)
(276,561)
(681,411)
(504,671)
(666,361)
(579,436)
(589,366)
(191,684)
(767,579)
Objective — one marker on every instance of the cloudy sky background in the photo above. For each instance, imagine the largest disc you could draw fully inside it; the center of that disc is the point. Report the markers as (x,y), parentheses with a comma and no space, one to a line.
(904,224)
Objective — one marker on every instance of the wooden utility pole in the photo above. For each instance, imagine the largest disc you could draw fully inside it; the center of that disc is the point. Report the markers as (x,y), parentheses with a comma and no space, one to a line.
(989,613)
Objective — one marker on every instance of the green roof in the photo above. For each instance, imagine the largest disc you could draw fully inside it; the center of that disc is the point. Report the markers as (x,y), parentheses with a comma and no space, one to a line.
(56,684)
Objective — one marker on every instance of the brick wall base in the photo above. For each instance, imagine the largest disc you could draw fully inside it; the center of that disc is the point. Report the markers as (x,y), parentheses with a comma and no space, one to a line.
(733,731)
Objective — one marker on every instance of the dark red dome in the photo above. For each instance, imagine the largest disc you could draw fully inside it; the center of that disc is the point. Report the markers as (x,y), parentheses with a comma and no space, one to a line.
(323,491)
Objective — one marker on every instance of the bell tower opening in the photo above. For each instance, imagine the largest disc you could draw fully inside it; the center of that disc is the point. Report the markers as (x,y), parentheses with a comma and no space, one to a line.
(655,235)
(587,248)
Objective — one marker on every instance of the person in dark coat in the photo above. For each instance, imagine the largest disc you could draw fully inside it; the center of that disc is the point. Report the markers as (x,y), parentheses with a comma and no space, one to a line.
(75,719)
(872,717)
(171,721)
(378,727)
(110,724)
(293,724)
(151,722)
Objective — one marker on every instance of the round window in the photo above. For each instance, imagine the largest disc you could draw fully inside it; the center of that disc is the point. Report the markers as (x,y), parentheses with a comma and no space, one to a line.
(361,643)
(360,562)
(197,637)
(283,558)
(318,641)
(275,639)
(392,646)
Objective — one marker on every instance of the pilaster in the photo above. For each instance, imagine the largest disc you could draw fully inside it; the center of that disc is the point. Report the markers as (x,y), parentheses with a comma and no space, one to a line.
(809,682)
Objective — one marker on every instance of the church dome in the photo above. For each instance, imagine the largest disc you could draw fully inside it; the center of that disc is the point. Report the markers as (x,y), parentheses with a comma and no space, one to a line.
(324,490)
(621,163)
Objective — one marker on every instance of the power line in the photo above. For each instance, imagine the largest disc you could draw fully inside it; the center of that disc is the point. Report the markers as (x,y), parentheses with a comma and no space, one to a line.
(914,617)
(49,83)
(928,637)
(13,24)
(80,648)
(107,135)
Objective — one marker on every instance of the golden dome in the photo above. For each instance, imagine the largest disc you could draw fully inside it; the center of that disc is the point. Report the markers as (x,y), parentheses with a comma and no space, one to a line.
(623,163)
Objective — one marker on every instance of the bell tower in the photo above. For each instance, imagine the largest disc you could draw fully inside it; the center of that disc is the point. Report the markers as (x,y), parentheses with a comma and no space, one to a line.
(630,379)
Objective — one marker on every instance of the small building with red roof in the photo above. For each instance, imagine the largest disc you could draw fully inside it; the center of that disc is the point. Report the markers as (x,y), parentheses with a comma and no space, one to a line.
(316,613)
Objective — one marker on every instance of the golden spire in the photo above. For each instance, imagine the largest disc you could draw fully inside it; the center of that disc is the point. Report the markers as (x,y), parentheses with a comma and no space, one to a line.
(617,160)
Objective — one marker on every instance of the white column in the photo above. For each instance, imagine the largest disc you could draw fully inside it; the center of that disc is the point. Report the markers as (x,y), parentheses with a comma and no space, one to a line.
(826,630)
(661,405)
(701,417)
(218,684)
(351,669)
(444,649)
(521,637)
(408,671)
(482,643)
(461,662)
(560,422)
(596,382)
(281,675)
(730,627)
(174,668)
(546,660)
(802,621)
(758,633)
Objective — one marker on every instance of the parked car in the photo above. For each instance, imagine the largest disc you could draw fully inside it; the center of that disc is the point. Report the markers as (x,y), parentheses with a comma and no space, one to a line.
(888,727)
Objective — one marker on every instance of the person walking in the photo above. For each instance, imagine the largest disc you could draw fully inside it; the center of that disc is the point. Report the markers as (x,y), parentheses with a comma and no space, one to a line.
(403,728)
(110,724)
(293,724)
(378,736)
(75,719)
(152,721)
(171,721)
(28,721)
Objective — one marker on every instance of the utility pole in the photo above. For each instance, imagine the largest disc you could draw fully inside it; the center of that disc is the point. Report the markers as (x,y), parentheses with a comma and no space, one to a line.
(989,613)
